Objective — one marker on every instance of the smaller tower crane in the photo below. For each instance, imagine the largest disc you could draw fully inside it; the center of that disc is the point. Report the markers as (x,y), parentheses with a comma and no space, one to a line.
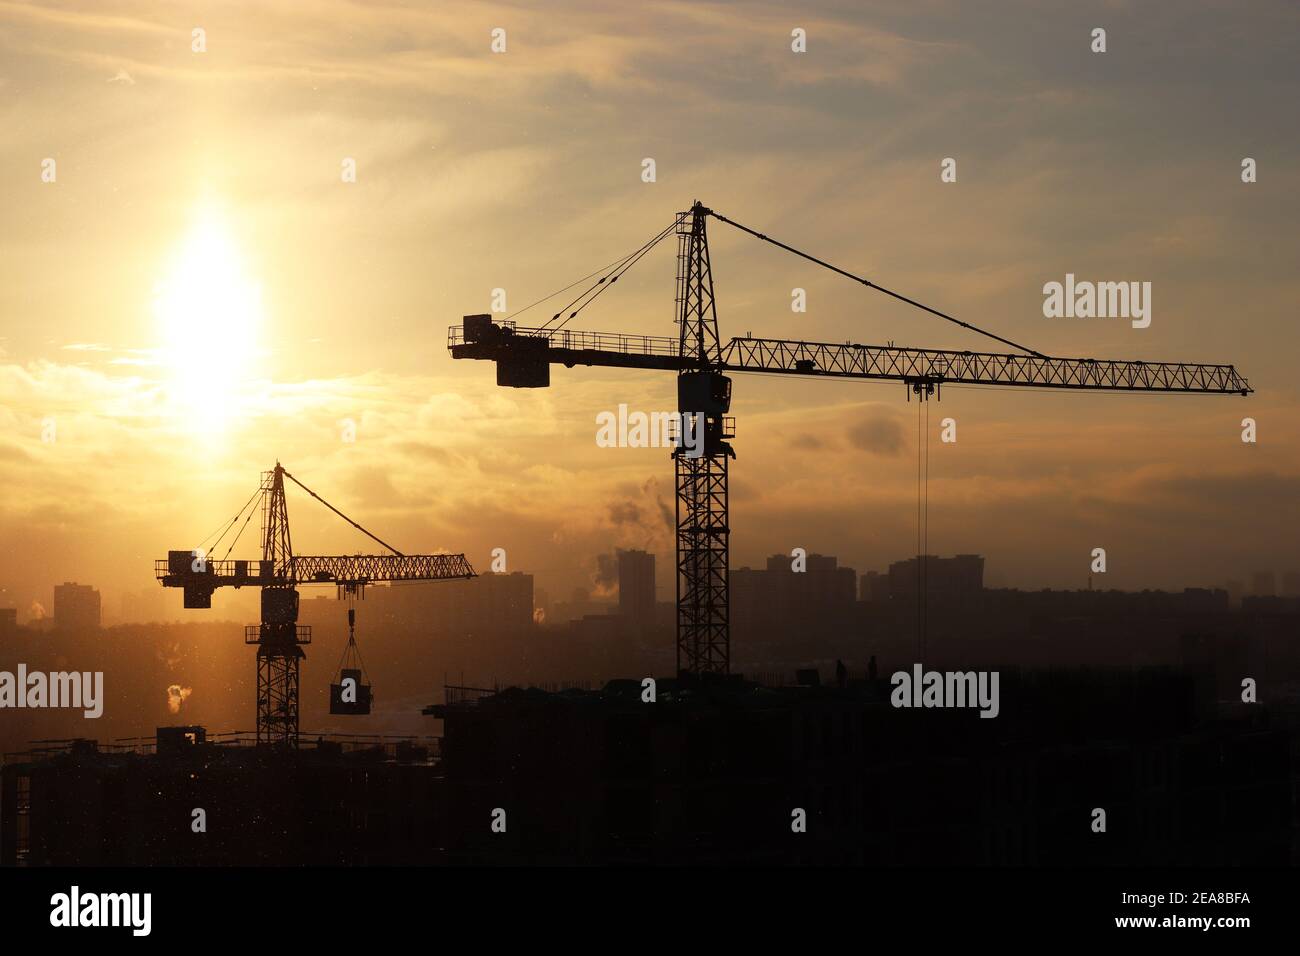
(279,637)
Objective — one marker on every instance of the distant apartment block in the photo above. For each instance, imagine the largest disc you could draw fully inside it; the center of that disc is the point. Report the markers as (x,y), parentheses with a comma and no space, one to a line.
(76,606)
(779,599)
(962,574)
(148,605)
(636,585)
(491,604)
(579,605)
(873,587)
(8,621)
(1263,584)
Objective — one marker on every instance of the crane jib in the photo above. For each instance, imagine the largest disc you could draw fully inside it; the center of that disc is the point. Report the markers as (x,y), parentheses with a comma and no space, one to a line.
(524,357)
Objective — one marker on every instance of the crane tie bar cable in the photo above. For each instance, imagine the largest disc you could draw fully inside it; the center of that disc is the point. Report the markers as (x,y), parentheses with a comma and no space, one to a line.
(225,528)
(342,515)
(242,528)
(591,275)
(594,291)
(871,285)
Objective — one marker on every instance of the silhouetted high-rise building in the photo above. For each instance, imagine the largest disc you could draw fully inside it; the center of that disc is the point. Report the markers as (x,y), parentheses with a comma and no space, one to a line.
(1263,584)
(781,601)
(636,585)
(961,574)
(148,604)
(579,605)
(873,587)
(505,601)
(76,606)
(487,605)
(1291,584)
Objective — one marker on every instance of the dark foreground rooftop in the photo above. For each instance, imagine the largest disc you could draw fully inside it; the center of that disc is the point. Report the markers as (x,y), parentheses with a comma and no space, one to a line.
(709,772)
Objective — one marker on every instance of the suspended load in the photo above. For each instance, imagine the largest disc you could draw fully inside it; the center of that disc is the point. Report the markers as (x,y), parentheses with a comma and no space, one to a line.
(350,694)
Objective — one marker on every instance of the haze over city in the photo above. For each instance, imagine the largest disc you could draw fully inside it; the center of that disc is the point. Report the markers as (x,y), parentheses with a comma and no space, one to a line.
(198,293)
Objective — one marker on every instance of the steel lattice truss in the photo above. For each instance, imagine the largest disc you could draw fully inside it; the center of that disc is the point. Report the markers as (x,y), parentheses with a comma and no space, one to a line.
(697,315)
(369,568)
(976,368)
(277,694)
(325,569)
(703,630)
(881,362)
(703,618)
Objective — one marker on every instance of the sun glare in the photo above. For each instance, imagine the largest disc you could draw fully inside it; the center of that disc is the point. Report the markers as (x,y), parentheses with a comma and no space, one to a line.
(209,314)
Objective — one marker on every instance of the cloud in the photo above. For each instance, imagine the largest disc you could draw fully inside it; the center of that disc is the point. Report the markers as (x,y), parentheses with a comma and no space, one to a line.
(604,577)
(177,695)
(122,77)
(643,518)
(624,512)
(878,432)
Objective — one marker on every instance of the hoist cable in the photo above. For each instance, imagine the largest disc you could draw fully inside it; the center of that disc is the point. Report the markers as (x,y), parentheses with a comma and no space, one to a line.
(920,583)
(242,528)
(225,528)
(925,540)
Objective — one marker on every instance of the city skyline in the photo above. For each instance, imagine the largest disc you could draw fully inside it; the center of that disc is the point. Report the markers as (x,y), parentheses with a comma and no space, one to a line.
(1280,582)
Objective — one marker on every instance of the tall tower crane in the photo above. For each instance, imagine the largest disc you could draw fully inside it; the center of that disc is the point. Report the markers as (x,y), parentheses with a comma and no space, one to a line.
(279,637)
(702,360)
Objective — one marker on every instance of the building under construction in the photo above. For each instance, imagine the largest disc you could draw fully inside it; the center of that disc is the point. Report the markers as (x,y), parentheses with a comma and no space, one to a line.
(333,801)
(713,771)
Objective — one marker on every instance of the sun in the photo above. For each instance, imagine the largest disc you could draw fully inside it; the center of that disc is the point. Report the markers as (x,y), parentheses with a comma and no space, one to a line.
(209,315)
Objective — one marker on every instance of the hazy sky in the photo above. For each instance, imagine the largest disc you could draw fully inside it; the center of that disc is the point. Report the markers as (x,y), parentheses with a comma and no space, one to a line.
(198,292)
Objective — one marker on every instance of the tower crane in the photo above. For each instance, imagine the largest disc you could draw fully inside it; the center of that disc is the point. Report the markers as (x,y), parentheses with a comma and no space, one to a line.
(702,361)
(279,573)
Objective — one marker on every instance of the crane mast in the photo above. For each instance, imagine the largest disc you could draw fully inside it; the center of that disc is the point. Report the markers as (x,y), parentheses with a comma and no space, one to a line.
(279,637)
(697,354)
(703,400)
